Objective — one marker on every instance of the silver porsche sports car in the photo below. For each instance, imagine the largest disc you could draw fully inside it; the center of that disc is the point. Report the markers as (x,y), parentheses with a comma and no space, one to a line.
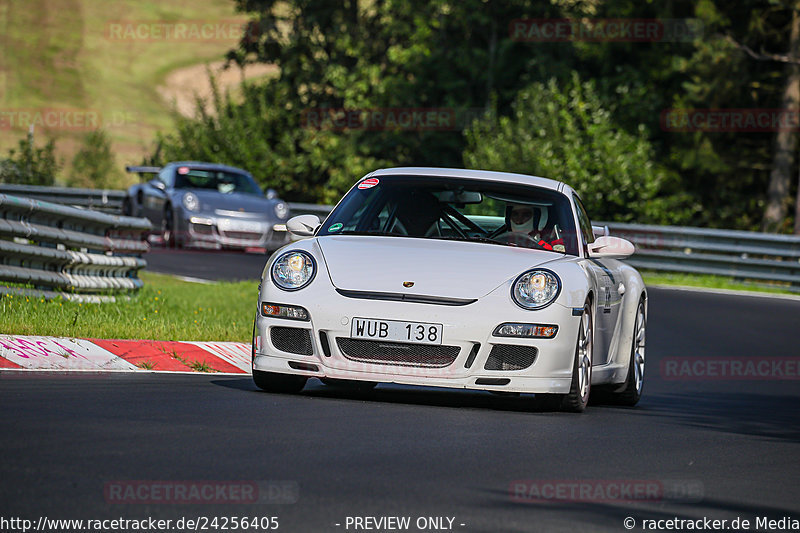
(454,278)
(210,206)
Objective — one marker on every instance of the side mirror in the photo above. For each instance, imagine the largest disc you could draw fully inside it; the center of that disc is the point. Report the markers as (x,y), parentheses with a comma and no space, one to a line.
(271,194)
(158,184)
(613,247)
(303,225)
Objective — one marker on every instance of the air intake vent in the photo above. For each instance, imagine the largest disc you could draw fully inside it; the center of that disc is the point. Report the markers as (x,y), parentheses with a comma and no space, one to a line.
(398,353)
(292,340)
(323,341)
(472,355)
(510,357)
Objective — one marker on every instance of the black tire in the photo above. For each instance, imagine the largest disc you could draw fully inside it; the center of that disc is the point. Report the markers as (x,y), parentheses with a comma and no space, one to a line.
(350,384)
(578,397)
(631,391)
(272,382)
(168,228)
(253,344)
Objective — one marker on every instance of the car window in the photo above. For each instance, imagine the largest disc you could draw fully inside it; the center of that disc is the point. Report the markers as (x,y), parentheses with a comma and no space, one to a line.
(457,209)
(216,180)
(584,221)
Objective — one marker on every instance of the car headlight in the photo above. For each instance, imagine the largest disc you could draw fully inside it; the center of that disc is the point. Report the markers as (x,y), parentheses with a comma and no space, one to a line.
(281,210)
(536,289)
(293,270)
(191,202)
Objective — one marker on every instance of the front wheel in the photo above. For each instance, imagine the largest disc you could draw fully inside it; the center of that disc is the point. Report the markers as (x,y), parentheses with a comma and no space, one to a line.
(168,228)
(578,397)
(273,382)
(127,207)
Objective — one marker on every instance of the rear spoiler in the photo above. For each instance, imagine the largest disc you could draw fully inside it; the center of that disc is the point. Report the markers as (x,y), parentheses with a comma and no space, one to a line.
(144,170)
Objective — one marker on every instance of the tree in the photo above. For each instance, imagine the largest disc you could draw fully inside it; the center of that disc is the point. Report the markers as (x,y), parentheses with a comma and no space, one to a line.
(367,57)
(461,56)
(565,133)
(94,165)
(778,196)
(734,172)
(30,165)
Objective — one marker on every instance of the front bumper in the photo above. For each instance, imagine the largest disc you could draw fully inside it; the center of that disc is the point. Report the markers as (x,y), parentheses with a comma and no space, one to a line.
(216,233)
(468,327)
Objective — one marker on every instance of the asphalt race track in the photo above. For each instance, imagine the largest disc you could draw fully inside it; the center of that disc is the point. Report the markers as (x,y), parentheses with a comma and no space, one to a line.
(206,265)
(724,448)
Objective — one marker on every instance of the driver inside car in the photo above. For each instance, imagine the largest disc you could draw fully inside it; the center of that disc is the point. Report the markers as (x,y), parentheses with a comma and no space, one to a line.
(523,223)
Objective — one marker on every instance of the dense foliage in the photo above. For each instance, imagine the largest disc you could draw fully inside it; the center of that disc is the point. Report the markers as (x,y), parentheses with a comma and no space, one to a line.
(94,165)
(29,165)
(565,133)
(586,111)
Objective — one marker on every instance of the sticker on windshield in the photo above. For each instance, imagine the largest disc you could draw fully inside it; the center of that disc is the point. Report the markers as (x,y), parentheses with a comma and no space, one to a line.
(183,170)
(335,227)
(368,183)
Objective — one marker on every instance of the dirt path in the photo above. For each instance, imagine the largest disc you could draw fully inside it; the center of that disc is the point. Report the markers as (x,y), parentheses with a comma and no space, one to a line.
(182,85)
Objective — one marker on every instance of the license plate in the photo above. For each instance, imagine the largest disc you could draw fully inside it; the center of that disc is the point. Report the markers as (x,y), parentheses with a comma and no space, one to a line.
(396,330)
(241,225)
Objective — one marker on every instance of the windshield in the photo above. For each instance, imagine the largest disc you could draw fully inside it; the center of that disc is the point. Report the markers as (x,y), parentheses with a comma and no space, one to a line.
(218,180)
(457,209)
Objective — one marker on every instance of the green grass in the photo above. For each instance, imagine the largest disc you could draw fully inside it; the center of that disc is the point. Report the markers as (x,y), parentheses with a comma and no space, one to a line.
(709,282)
(57,54)
(164,309)
(170,309)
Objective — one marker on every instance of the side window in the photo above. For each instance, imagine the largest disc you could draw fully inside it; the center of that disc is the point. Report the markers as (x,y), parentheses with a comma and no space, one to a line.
(584,221)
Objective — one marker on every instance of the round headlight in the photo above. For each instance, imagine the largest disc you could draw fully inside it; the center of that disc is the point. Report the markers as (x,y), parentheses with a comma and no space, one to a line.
(191,202)
(281,210)
(536,289)
(293,270)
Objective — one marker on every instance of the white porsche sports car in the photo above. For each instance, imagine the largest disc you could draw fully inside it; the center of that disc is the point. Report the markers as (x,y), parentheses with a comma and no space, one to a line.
(454,278)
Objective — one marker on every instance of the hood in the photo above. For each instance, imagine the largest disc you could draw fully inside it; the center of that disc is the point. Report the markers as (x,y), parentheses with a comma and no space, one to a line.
(250,203)
(447,269)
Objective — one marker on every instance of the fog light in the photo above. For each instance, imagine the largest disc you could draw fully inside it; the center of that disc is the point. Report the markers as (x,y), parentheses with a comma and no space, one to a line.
(283,311)
(541,331)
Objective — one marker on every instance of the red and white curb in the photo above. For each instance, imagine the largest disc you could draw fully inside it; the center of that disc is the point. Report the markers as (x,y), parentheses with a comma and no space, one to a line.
(59,353)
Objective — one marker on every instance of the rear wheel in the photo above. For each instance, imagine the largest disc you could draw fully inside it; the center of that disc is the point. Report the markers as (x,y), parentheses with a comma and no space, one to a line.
(578,397)
(632,390)
(273,382)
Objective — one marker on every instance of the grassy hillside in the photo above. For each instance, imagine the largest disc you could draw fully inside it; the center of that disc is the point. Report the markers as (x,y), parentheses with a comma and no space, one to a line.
(59,54)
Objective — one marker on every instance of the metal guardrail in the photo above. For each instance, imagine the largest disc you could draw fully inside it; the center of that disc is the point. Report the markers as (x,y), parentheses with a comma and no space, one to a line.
(321,211)
(66,251)
(106,200)
(744,255)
